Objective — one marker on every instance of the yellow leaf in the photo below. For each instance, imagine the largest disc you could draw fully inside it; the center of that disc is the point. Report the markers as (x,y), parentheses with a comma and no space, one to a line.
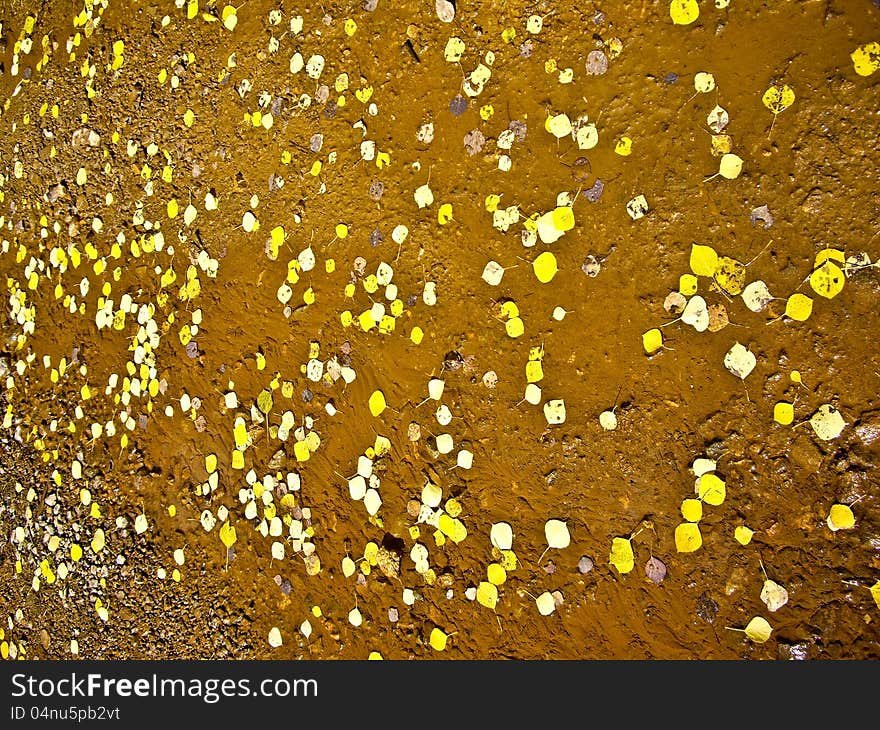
(623,147)
(688,537)
(459,531)
(562,218)
(730,166)
(692,510)
(743,535)
(508,560)
(377,403)
(652,340)
(264,401)
(687,284)
(559,125)
(496,574)
(841,517)
(711,489)
(622,556)
(534,371)
(783,413)
(704,260)
(758,630)
(301,451)
(866,58)
(444,214)
(827,280)
(730,275)
(778,98)
(829,254)
(799,307)
(514,327)
(227,535)
(545,267)
(437,639)
(487,595)
(875,593)
(684,12)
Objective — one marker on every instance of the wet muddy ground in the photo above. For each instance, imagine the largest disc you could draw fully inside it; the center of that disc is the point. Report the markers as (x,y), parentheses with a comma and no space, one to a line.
(263,397)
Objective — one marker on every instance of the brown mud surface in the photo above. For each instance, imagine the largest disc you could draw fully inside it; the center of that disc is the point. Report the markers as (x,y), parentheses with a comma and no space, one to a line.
(128,321)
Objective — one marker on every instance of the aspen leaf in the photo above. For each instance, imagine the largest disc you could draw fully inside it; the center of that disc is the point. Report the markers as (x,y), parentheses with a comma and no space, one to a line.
(532,394)
(840,517)
(783,413)
(493,272)
(696,313)
(514,327)
(702,466)
(487,595)
(756,296)
(372,502)
(740,361)
(688,537)
(866,58)
(875,593)
(227,535)
(687,284)
(711,489)
(556,532)
(829,254)
(562,217)
(743,535)
(717,119)
(799,307)
(545,267)
(730,166)
(501,536)
(704,82)
(423,196)
(704,260)
(778,98)
(437,639)
(140,524)
(758,630)
(773,595)
(264,401)
(692,510)
(684,12)
(558,125)
(827,422)
(275,637)
(730,275)
(229,17)
(652,340)
(496,574)
(607,420)
(355,618)
(622,556)
(827,280)
(546,603)
(444,214)
(554,411)
(377,403)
